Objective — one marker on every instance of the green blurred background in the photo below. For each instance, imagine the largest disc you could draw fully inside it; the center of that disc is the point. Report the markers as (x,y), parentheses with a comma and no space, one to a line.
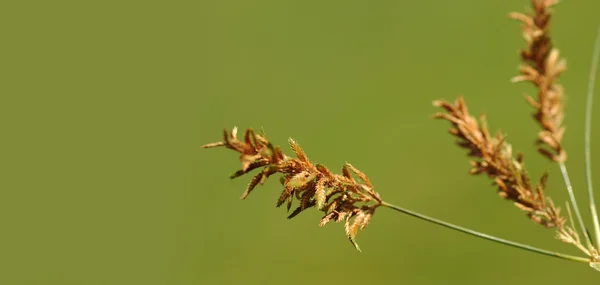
(105,105)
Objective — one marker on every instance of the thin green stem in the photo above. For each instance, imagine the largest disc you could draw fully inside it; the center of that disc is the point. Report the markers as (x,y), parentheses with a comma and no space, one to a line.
(588,134)
(485,236)
(565,174)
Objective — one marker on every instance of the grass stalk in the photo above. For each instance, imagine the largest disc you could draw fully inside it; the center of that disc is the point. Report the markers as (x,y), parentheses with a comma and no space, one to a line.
(565,174)
(588,133)
(485,236)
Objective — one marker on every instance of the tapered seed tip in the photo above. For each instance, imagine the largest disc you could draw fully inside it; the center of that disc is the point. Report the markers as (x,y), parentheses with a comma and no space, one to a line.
(516,15)
(438,116)
(356,245)
(210,145)
(518,78)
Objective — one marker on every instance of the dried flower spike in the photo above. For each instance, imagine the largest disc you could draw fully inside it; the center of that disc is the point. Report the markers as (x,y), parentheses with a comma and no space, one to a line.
(339,196)
(493,156)
(542,66)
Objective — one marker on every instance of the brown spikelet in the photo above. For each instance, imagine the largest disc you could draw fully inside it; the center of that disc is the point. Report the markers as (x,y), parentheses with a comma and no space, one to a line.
(301,208)
(369,213)
(211,145)
(288,191)
(332,206)
(290,200)
(307,200)
(358,173)
(320,193)
(255,180)
(300,180)
(253,165)
(298,151)
(341,215)
(541,186)
(352,228)
(324,170)
(325,220)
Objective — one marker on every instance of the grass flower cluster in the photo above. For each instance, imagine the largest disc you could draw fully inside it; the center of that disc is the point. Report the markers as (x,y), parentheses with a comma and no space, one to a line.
(350,197)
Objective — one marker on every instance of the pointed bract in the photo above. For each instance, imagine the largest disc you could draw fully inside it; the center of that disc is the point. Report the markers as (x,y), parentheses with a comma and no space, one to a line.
(320,193)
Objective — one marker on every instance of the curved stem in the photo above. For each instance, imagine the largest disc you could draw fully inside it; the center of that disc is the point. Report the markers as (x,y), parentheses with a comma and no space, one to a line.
(588,134)
(565,174)
(485,236)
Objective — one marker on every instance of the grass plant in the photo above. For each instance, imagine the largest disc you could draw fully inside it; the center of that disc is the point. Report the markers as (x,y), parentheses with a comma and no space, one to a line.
(350,197)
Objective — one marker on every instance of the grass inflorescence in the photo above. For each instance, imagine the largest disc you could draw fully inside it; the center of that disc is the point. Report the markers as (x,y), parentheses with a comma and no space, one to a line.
(350,196)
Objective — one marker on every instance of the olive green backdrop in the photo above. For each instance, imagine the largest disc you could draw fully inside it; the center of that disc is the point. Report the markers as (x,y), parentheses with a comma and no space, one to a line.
(105,104)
